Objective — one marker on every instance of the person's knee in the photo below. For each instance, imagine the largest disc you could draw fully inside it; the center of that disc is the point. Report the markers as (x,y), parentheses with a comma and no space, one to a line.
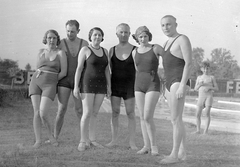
(208,111)
(43,117)
(147,118)
(79,110)
(36,113)
(95,114)
(198,115)
(86,115)
(199,111)
(62,110)
(131,115)
(175,121)
(115,113)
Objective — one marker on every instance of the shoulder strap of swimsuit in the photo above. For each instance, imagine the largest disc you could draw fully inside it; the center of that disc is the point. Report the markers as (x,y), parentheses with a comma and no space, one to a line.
(80,46)
(172,42)
(103,51)
(114,52)
(90,49)
(134,47)
(67,47)
(165,45)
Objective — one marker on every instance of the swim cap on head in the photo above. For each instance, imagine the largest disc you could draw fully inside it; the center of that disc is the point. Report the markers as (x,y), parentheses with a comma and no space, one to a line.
(139,31)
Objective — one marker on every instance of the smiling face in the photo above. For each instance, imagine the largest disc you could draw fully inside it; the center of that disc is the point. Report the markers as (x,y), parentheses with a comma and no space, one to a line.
(169,26)
(123,33)
(71,32)
(51,40)
(96,37)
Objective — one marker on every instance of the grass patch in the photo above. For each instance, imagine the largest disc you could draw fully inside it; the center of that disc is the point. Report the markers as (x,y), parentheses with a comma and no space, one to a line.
(218,149)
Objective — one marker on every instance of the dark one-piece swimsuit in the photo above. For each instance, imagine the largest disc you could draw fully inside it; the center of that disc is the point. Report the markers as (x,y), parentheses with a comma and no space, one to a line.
(93,78)
(147,72)
(173,67)
(123,76)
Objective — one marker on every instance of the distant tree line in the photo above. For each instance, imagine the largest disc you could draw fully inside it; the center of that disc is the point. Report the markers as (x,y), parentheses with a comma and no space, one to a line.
(223,65)
(9,69)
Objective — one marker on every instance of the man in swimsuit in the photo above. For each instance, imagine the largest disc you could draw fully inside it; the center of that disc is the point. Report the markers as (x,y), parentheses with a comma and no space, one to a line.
(177,64)
(71,46)
(205,85)
(122,82)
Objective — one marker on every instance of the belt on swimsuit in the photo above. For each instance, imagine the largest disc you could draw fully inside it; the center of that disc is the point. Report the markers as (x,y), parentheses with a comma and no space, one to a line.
(152,73)
(39,72)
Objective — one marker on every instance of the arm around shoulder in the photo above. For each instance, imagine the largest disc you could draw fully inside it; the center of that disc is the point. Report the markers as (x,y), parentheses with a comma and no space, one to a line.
(84,43)
(158,50)
(60,46)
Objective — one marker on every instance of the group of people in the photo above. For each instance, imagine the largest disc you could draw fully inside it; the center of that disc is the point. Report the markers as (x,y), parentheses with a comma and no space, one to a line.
(90,72)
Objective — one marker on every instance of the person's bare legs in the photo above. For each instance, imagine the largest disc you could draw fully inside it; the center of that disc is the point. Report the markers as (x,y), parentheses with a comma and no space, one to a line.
(78,108)
(115,103)
(97,102)
(87,104)
(198,120)
(45,105)
(37,124)
(63,97)
(151,99)
(207,110)
(179,134)
(140,101)
(130,110)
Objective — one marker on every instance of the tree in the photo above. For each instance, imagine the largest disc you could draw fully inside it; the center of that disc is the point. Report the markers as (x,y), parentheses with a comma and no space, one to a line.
(198,55)
(8,69)
(223,64)
(12,72)
(28,67)
(8,63)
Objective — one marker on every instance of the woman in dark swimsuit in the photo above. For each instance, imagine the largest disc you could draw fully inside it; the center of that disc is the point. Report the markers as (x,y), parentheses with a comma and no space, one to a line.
(94,76)
(147,86)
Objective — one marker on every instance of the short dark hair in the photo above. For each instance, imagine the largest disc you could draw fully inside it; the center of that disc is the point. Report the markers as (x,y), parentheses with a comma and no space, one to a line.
(51,31)
(91,32)
(205,64)
(73,23)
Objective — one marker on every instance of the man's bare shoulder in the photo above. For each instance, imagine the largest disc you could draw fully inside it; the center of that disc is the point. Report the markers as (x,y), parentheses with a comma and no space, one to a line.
(61,45)
(84,42)
(182,38)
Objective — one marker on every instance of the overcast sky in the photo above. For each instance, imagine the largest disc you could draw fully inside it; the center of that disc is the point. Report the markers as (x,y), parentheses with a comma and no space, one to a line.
(209,24)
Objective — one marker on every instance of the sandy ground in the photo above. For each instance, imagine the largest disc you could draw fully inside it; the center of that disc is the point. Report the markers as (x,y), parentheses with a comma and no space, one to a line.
(223,117)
